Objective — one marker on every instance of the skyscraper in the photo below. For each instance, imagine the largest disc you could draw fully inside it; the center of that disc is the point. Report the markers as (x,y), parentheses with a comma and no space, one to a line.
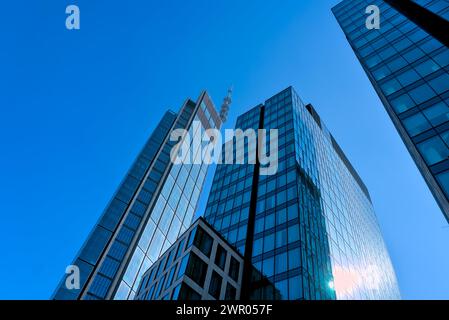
(152,206)
(407,61)
(308,231)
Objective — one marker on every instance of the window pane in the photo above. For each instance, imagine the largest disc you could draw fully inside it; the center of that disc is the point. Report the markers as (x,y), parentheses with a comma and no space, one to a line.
(442,58)
(440,84)
(220,257)
(433,150)
(294,259)
(381,73)
(427,67)
(390,86)
(422,93)
(408,77)
(215,285)
(234,269)
(295,288)
(416,124)
(437,114)
(203,241)
(443,179)
(196,269)
(402,103)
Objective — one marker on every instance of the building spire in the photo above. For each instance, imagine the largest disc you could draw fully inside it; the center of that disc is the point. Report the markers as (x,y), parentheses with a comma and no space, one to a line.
(225,106)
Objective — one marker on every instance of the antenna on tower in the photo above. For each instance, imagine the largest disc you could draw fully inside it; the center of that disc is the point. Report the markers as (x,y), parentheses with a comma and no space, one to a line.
(225,106)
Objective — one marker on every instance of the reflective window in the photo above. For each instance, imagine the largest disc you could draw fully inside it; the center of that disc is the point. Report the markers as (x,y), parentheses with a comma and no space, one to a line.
(220,257)
(408,77)
(234,269)
(196,269)
(422,93)
(402,103)
(427,67)
(440,84)
(437,114)
(231,292)
(416,124)
(390,86)
(215,285)
(443,179)
(433,150)
(203,241)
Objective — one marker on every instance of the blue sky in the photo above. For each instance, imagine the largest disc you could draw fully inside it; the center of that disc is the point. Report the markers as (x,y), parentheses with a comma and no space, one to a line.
(77,106)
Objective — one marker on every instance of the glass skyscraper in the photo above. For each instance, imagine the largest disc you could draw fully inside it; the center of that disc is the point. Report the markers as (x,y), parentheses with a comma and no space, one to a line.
(407,61)
(154,204)
(309,231)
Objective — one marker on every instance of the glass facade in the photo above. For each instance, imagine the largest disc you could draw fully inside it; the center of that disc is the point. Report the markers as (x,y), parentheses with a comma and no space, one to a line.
(153,205)
(309,231)
(409,68)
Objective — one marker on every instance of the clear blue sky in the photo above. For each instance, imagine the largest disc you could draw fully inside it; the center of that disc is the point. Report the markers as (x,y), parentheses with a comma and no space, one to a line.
(77,106)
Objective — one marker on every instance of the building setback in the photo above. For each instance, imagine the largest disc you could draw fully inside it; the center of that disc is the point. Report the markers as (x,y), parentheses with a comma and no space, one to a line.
(407,62)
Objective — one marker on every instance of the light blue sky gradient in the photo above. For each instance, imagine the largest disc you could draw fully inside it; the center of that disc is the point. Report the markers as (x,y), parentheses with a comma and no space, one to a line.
(77,106)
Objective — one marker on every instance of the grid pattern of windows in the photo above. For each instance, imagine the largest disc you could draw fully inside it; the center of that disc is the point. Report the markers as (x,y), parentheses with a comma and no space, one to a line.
(171,215)
(410,71)
(108,223)
(201,273)
(153,205)
(314,224)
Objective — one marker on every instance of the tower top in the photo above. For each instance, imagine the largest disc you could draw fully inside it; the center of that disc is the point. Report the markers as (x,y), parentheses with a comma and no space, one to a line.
(225,106)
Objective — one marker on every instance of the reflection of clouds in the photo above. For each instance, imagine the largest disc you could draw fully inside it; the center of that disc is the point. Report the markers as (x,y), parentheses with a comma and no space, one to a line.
(348,281)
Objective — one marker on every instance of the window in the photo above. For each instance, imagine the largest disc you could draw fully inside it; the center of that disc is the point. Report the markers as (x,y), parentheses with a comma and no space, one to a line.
(437,114)
(183,266)
(397,64)
(268,243)
(295,288)
(440,84)
(203,241)
(294,259)
(257,247)
(269,221)
(159,287)
(416,124)
(293,233)
(427,67)
(171,276)
(402,103)
(443,179)
(259,225)
(220,257)
(282,290)
(443,58)
(187,293)
(196,269)
(422,93)
(215,285)
(281,238)
(281,263)
(281,216)
(179,250)
(408,77)
(234,269)
(191,238)
(268,267)
(433,150)
(413,55)
(231,292)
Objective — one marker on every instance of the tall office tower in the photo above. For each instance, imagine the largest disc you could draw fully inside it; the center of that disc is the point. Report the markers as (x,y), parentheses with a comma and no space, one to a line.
(407,61)
(308,231)
(152,206)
